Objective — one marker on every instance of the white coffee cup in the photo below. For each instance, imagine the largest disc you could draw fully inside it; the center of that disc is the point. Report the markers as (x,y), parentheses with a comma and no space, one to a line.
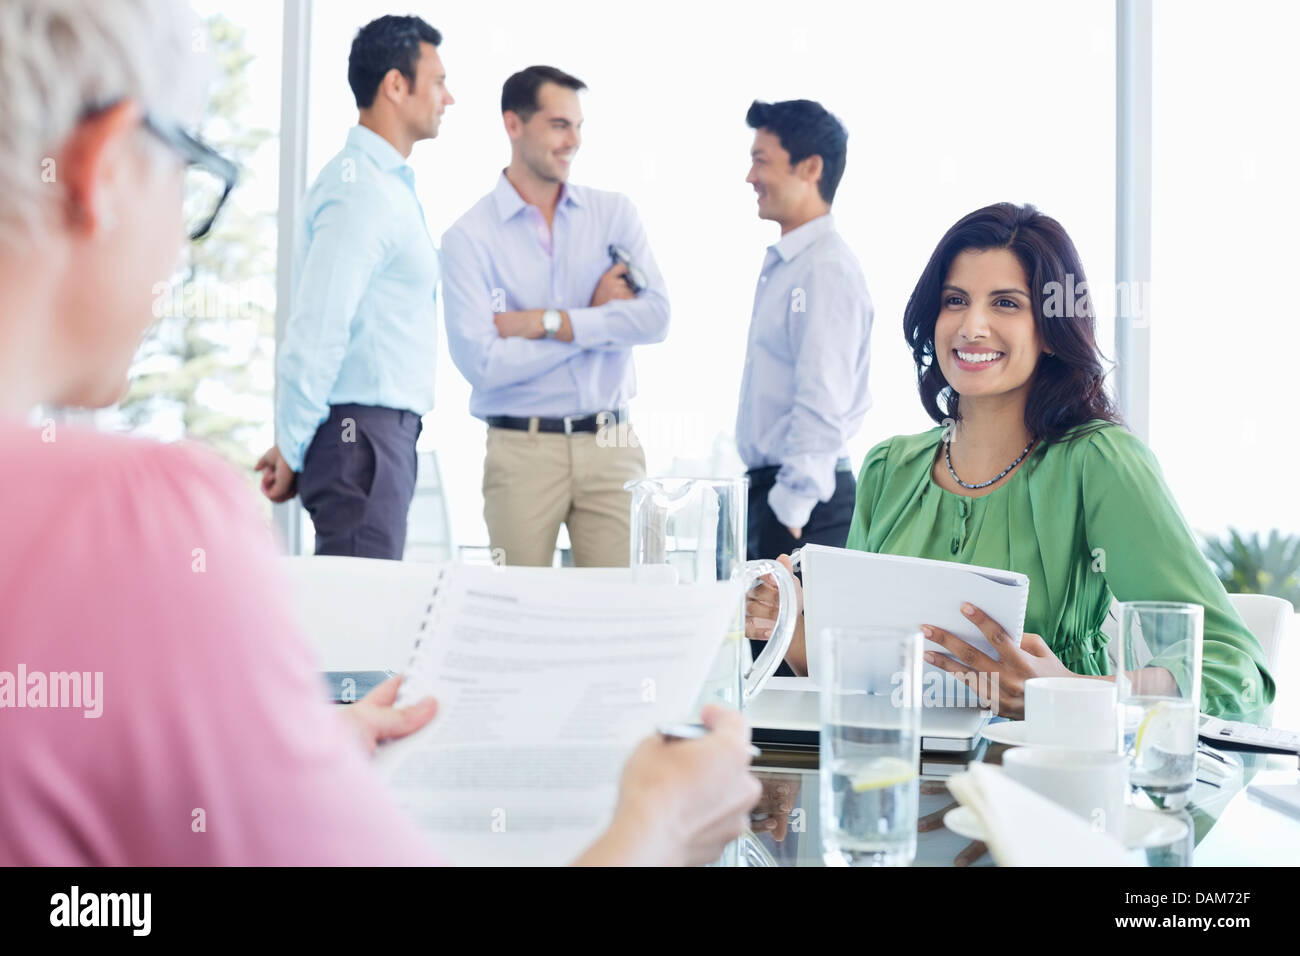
(1089,784)
(1071,712)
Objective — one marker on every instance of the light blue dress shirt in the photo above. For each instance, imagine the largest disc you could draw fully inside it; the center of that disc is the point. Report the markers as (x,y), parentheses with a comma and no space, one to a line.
(804,391)
(500,257)
(364,327)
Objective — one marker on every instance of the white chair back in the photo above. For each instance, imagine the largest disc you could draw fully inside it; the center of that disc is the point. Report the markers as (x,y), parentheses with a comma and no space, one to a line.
(1267,617)
(359,613)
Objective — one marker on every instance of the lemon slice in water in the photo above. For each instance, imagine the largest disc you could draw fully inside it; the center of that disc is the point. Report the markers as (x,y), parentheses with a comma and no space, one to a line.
(1156,721)
(885,772)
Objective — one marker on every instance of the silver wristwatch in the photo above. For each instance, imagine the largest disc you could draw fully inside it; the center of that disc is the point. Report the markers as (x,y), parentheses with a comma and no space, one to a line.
(551,322)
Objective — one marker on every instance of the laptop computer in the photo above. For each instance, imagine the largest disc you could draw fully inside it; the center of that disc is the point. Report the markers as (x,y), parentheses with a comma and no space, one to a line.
(786,715)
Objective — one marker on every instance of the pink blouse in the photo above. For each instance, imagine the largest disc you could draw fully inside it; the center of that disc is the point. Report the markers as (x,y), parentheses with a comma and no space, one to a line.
(196,731)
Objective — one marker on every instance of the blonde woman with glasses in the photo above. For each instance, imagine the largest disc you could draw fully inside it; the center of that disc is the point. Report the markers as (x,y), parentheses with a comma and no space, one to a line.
(206,701)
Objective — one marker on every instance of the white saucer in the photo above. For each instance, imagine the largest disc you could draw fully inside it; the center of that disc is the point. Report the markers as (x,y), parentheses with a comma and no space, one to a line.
(1015,733)
(1142,828)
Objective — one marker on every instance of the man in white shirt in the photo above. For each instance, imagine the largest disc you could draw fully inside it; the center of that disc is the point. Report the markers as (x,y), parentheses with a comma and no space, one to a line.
(804,391)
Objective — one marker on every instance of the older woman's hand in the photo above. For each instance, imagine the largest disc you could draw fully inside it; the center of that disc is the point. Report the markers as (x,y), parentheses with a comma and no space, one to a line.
(1006,685)
(377,720)
(681,802)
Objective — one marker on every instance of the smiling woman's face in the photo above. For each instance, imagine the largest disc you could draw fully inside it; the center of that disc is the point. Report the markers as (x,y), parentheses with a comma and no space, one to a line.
(985,338)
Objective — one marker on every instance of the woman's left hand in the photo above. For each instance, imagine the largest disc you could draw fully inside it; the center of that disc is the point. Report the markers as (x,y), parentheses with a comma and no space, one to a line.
(1033,658)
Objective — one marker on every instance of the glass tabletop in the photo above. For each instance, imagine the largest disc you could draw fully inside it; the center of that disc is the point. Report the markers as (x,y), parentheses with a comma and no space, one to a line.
(1259,835)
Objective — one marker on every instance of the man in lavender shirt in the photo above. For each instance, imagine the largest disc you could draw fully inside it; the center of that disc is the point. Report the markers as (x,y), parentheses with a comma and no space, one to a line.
(542,321)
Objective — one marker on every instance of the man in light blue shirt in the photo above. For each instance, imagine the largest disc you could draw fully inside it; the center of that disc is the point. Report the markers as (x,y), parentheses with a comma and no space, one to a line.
(547,288)
(804,391)
(355,369)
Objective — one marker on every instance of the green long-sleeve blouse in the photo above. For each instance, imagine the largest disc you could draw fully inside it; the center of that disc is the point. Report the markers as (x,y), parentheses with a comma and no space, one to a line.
(1087,519)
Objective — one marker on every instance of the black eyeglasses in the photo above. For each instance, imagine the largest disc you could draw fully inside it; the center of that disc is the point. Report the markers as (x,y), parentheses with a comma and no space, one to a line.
(209,176)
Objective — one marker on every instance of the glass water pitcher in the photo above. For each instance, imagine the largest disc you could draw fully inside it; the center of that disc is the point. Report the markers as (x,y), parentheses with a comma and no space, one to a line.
(697,526)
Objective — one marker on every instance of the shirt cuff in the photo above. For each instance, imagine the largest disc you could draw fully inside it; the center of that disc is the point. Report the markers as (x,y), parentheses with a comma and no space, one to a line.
(590,327)
(791,509)
(294,433)
(293,458)
(293,451)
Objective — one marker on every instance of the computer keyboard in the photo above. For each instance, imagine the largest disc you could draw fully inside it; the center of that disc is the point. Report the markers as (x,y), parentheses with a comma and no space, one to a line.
(1235,733)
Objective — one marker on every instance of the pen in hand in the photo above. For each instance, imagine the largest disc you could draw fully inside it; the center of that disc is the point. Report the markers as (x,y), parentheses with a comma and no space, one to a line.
(692,732)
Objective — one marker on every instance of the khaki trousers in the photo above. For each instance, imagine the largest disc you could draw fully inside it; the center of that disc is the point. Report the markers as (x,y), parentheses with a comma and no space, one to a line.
(533,482)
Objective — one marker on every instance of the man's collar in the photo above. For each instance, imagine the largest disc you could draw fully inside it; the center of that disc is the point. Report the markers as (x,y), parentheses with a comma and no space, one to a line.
(509,202)
(570,194)
(797,240)
(383,152)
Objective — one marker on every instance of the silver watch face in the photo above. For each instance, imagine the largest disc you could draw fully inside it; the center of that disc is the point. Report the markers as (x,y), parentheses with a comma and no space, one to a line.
(551,321)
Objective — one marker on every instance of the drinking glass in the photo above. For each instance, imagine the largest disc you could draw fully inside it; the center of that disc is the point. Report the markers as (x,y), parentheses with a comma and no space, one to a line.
(870,745)
(1158,686)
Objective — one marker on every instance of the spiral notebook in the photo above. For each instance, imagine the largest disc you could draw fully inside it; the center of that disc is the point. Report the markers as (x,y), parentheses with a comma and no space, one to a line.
(844,588)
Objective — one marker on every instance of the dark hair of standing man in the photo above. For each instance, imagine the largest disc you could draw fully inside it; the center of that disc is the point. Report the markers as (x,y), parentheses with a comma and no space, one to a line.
(805,128)
(519,94)
(389,43)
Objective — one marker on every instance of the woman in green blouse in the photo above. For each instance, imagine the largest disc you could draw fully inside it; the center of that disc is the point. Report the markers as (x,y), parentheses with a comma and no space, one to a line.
(1029,471)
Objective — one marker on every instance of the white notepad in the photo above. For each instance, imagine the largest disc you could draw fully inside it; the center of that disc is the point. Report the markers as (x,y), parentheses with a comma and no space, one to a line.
(844,588)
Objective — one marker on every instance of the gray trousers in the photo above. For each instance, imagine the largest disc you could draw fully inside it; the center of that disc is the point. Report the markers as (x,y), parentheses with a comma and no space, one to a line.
(357,480)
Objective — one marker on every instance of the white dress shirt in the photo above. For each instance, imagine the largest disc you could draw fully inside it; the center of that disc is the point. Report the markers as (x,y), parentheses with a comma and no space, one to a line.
(804,391)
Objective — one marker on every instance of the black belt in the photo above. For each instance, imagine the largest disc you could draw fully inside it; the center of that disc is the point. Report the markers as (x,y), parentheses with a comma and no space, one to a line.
(563,426)
(768,472)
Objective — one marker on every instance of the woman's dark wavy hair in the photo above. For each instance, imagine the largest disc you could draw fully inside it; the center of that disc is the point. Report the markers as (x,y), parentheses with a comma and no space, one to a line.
(1068,386)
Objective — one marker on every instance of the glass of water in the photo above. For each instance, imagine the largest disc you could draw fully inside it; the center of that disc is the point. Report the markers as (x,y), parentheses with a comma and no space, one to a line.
(870,745)
(1159,693)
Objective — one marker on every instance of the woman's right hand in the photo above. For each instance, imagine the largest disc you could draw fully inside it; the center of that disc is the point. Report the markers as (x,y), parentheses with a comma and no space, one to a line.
(681,801)
(761,608)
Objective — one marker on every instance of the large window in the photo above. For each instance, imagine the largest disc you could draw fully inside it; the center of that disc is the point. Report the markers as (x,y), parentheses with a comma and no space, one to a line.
(949,106)
(205,371)
(1225,203)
